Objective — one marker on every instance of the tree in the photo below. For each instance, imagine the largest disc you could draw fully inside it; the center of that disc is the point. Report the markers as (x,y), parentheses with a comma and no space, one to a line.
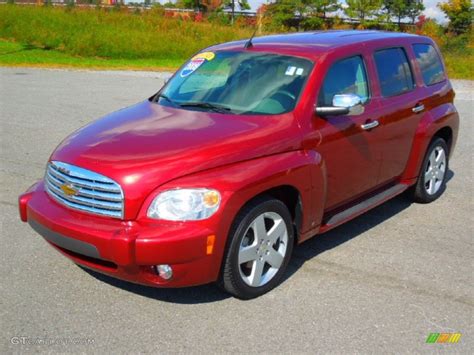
(200,5)
(362,9)
(314,13)
(310,14)
(283,13)
(232,4)
(210,5)
(414,10)
(401,9)
(320,8)
(460,15)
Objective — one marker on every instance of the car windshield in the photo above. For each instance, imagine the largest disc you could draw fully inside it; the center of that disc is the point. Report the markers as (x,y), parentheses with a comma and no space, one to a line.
(238,83)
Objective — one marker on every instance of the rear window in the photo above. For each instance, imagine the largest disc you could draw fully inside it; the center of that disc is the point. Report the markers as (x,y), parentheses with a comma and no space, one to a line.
(394,72)
(430,63)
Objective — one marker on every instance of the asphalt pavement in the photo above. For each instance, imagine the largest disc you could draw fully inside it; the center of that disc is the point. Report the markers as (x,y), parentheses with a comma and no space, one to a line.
(379,284)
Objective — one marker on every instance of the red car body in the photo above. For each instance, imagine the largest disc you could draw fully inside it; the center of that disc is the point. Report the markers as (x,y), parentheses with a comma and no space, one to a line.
(318,166)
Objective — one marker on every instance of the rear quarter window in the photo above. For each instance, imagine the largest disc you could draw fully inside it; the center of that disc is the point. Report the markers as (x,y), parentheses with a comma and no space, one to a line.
(430,63)
(393,70)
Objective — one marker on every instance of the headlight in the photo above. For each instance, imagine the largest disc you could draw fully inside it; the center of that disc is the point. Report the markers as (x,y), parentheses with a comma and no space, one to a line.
(185,204)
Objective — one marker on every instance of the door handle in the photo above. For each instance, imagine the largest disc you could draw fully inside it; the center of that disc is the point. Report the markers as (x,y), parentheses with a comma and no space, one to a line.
(369,125)
(418,108)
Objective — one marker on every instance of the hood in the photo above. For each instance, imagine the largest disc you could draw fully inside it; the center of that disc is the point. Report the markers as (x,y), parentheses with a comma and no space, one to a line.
(146,145)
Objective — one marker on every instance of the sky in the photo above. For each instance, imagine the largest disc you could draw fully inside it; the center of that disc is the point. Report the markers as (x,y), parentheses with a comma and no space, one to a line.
(432,11)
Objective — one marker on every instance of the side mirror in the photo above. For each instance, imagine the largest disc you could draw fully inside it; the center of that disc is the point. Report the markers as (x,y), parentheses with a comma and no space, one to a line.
(345,104)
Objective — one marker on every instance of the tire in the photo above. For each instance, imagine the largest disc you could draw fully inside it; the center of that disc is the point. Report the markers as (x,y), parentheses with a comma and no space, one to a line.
(251,266)
(431,181)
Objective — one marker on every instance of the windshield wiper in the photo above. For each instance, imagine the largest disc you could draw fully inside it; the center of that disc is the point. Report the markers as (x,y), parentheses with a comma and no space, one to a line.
(207,105)
(163,96)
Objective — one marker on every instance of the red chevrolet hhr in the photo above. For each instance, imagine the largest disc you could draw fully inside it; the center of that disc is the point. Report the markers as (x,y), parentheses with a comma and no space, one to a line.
(251,147)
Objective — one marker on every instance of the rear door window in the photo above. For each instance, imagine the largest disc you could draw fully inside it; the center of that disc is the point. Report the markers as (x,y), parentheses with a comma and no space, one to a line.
(430,63)
(395,76)
(346,76)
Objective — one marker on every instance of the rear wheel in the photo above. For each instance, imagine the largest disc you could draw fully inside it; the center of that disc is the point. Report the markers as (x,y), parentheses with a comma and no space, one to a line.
(260,246)
(432,179)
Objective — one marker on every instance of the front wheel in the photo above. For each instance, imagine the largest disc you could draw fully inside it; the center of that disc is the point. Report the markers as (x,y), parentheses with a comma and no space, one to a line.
(432,179)
(260,247)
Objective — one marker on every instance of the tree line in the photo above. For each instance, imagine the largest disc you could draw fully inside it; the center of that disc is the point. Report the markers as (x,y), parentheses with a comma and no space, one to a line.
(319,14)
(288,15)
(324,14)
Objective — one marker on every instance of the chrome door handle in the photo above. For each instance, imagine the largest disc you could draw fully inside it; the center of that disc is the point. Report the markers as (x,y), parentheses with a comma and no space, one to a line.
(418,108)
(369,125)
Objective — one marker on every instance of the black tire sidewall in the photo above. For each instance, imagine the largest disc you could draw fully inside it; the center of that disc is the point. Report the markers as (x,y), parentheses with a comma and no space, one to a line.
(239,288)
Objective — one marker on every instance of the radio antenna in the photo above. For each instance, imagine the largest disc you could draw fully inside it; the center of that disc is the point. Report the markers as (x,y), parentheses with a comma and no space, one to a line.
(249,43)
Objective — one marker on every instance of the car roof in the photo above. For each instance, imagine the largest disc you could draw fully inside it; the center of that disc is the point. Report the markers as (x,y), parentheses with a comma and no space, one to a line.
(316,42)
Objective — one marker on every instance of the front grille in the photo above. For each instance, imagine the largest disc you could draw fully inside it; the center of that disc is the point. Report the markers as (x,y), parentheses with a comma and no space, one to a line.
(84,190)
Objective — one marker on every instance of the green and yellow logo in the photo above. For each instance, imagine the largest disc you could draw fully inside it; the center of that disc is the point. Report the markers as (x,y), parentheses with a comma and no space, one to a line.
(443,338)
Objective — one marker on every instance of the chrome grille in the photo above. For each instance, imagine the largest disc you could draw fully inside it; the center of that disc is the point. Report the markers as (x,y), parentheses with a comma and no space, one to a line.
(84,190)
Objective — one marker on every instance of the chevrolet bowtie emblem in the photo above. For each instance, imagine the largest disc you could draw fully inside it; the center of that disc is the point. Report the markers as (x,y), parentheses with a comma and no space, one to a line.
(69,189)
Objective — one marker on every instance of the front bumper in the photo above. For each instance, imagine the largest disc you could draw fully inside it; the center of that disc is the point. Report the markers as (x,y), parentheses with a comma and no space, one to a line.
(124,249)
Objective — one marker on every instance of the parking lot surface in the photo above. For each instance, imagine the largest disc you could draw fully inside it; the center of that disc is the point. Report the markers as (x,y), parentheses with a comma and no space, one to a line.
(381,283)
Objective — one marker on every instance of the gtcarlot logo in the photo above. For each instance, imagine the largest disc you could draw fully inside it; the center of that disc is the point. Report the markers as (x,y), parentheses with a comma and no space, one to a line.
(25,340)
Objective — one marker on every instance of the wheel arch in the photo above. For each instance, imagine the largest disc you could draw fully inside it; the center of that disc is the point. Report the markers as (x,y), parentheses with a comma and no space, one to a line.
(443,121)
(290,196)
(445,133)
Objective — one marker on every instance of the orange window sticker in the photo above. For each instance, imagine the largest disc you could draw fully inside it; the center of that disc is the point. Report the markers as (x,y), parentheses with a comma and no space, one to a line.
(205,55)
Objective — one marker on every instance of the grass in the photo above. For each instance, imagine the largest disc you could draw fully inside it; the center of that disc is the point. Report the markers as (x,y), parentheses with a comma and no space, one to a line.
(460,66)
(112,34)
(16,54)
(46,36)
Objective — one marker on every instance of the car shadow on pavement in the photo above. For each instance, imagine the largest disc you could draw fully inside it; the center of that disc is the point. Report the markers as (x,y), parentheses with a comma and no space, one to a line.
(349,230)
(187,295)
(301,254)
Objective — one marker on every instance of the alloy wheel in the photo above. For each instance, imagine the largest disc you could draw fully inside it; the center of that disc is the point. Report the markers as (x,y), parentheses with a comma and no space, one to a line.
(263,249)
(435,170)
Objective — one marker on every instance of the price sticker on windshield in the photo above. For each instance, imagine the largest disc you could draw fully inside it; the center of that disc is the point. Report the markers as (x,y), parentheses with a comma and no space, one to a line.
(196,62)
(192,66)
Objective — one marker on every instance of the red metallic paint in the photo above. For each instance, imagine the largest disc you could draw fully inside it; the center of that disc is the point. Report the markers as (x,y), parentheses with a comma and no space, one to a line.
(146,145)
(330,163)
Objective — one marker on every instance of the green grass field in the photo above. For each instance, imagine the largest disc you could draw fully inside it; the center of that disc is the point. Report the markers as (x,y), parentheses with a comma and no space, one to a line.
(460,65)
(46,36)
(49,36)
(16,54)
